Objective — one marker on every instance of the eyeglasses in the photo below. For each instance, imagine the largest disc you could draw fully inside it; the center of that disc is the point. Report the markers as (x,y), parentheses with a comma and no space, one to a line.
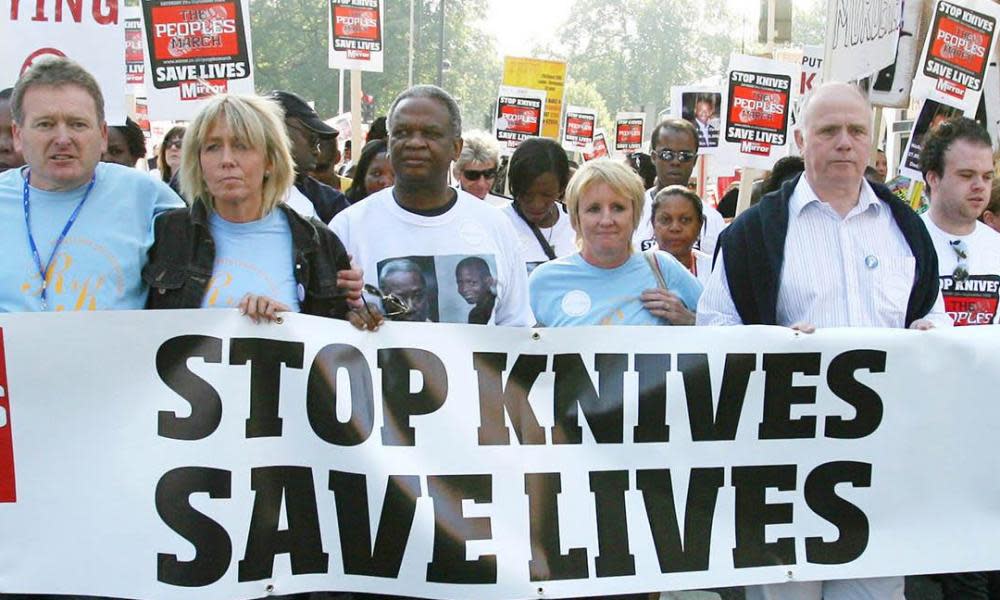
(669,155)
(392,305)
(473,175)
(961,249)
(174,144)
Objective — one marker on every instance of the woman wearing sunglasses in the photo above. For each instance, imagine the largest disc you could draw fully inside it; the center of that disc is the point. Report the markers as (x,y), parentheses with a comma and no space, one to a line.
(168,160)
(476,167)
(538,175)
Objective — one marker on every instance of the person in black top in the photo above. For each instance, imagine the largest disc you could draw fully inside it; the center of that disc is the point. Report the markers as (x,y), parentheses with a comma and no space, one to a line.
(305,129)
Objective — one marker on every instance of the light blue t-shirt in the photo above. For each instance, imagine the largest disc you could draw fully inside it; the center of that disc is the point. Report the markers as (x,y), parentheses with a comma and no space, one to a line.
(99,264)
(569,291)
(252,258)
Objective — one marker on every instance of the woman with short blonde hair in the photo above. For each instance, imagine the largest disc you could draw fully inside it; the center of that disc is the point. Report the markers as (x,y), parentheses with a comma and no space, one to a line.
(606,282)
(238,245)
(255,121)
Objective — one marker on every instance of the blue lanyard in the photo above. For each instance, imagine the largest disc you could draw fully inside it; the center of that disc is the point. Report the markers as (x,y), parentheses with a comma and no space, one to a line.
(62,236)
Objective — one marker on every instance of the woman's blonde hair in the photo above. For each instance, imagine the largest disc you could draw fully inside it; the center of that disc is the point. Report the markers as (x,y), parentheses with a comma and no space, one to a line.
(255,121)
(619,177)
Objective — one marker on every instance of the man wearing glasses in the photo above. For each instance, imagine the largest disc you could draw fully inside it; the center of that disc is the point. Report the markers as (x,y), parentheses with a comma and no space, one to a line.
(957,164)
(305,129)
(674,148)
(476,167)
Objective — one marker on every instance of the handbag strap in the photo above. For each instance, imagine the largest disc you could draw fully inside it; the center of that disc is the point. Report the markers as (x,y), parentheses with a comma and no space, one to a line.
(546,247)
(654,266)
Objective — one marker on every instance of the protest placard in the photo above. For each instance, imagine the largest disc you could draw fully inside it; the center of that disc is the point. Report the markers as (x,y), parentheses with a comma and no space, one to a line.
(891,86)
(700,106)
(990,103)
(195,49)
(960,41)
(355,35)
(519,115)
(192,454)
(812,69)
(600,146)
(932,113)
(89,33)
(630,131)
(860,37)
(578,129)
(135,67)
(142,116)
(759,98)
(548,76)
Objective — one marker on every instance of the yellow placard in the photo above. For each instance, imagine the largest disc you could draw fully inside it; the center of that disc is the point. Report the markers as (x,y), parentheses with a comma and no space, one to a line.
(538,74)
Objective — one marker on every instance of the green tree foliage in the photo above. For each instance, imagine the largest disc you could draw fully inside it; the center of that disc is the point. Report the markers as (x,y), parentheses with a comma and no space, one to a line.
(583,93)
(632,51)
(290,53)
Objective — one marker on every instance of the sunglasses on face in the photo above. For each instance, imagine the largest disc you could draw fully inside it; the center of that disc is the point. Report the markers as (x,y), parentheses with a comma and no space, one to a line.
(473,175)
(669,155)
(392,305)
(961,249)
(174,144)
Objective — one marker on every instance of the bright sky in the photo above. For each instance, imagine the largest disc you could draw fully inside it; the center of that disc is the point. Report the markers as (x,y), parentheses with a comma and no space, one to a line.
(516,36)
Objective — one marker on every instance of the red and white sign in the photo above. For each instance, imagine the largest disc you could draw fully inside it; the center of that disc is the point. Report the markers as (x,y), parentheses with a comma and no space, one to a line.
(519,115)
(355,34)
(196,49)
(630,131)
(8,489)
(758,109)
(135,67)
(91,33)
(960,41)
(600,147)
(973,300)
(579,126)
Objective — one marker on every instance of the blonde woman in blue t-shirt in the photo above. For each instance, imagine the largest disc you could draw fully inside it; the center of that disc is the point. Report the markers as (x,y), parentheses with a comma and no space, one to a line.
(607,282)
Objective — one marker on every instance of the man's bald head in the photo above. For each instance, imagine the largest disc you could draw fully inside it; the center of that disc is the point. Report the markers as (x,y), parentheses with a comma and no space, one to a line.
(834,135)
(835,90)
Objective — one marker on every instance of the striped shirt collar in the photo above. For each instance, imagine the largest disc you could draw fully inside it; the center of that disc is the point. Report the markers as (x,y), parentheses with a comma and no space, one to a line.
(803,195)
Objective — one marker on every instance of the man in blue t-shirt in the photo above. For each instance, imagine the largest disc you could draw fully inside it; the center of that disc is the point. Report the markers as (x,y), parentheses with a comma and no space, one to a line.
(73,231)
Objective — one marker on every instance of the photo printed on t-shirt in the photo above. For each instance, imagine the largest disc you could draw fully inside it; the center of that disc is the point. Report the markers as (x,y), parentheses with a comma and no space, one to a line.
(454,288)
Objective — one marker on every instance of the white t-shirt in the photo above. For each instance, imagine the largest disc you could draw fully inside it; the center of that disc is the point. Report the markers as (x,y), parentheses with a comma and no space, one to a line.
(973,300)
(702,266)
(298,202)
(424,260)
(560,236)
(643,238)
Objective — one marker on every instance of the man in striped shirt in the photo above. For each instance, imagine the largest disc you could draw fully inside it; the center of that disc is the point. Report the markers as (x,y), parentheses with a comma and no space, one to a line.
(827,250)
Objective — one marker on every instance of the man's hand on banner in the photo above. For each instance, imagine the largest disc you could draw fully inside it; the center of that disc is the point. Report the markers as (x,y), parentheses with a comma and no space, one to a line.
(922,325)
(352,281)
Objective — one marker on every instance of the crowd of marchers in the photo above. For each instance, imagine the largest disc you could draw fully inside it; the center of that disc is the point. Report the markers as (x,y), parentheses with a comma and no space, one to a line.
(243,208)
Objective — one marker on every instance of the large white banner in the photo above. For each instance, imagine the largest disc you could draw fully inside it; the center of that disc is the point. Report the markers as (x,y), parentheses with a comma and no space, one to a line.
(190,454)
(91,33)
(861,38)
